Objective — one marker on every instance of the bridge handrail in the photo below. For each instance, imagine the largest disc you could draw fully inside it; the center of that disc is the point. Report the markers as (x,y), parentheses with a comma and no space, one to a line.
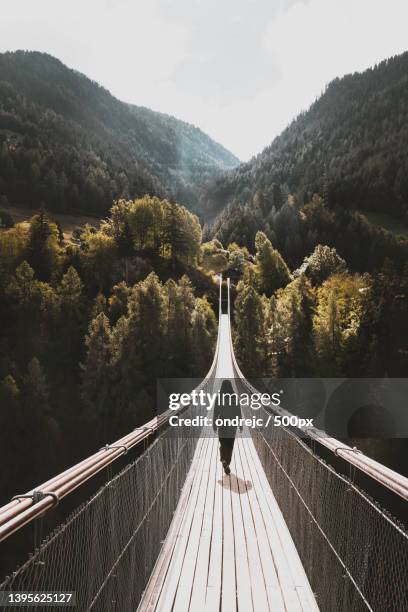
(23,509)
(395,482)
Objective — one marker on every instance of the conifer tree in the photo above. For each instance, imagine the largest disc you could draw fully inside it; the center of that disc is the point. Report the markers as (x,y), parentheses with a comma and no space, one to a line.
(97,372)
(118,301)
(42,247)
(322,263)
(203,336)
(37,384)
(289,329)
(72,316)
(70,288)
(250,337)
(147,325)
(272,269)
(125,244)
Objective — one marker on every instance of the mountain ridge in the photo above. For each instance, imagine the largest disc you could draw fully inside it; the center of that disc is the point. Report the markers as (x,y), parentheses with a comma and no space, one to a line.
(70,116)
(351,142)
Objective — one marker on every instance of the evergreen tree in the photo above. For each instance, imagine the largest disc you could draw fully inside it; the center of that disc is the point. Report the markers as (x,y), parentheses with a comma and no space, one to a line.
(186,294)
(99,305)
(273,271)
(175,232)
(142,359)
(96,376)
(70,288)
(322,263)
(42,247)
(237,260)
(182,232)
(23,286)
(99,258)
(72,317)
(142,221)
(36,394)
(328,334)
(11,443)
(383,349)
(125,246)
(250,335)
(337,324)
(36,382)
(180,305)
(12,247)
(289,328)
(203,336)
(118,301)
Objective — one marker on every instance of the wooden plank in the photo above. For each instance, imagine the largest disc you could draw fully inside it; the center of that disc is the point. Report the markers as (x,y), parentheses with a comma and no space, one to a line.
(270,555)
(244,594)
(170,586)
(290,568)
(187,573)
(199,587)
(213,593)
(155,584)
(228,547)
(307,599)
(282,530)
(258,586)
(229,587)
(273,586)
(283,573)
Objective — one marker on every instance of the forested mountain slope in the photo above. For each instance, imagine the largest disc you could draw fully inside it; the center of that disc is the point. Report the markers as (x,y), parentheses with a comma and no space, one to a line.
(352,144)
(67,143)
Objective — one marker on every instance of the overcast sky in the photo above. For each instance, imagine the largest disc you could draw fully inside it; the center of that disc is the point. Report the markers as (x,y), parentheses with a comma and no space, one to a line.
(238,69)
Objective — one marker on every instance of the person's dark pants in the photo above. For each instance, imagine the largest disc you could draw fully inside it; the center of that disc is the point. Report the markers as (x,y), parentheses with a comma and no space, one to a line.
(226,448)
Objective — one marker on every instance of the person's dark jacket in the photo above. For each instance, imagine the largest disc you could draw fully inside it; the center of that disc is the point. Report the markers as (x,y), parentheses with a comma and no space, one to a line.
(227,408)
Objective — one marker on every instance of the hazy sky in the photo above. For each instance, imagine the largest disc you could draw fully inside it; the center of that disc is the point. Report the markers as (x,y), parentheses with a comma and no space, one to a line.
(238,69)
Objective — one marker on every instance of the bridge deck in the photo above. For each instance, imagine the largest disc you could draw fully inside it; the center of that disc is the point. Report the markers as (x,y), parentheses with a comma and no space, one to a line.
(228,547)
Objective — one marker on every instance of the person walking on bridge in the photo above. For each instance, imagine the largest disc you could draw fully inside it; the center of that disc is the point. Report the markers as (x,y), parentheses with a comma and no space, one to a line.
(226,409)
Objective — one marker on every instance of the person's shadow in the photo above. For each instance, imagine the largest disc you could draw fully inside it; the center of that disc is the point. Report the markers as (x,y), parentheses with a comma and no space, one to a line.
(236,484)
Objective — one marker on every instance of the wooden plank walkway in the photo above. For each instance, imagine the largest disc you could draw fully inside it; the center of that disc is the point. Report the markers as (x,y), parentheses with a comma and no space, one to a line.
(228,547)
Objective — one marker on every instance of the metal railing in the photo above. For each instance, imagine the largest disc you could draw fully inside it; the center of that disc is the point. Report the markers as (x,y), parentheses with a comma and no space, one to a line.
(26,507)
(395,482)
(354,553)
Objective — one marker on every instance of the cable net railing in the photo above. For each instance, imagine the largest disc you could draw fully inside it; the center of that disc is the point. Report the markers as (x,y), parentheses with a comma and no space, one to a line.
(354,553)
(106,549)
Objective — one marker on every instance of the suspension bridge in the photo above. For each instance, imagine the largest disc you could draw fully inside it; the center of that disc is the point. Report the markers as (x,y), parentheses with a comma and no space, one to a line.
(284,531)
